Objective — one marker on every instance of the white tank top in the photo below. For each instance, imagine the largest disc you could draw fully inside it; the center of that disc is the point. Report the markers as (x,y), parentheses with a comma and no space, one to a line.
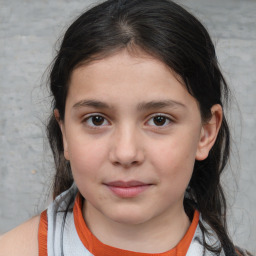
(64,240)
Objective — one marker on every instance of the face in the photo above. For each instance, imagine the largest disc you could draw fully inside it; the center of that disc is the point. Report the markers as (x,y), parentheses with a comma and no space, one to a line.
(132,133)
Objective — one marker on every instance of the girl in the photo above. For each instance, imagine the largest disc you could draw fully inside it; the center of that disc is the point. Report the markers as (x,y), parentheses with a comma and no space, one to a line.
(139,138)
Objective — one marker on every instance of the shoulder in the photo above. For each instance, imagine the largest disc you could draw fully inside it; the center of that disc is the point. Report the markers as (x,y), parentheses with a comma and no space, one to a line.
(23,240)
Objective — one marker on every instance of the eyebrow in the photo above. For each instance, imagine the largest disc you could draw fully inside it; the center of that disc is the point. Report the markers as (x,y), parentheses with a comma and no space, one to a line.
(141,106)
(160,104)
(91,103)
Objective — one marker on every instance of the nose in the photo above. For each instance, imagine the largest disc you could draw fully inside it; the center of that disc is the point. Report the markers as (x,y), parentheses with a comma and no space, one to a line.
(127,148)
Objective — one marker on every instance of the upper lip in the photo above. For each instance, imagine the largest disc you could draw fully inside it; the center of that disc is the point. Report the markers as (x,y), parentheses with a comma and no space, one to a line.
(126,184)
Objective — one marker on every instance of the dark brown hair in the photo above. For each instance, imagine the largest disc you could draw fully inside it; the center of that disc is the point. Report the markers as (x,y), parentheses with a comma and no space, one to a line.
(168,32)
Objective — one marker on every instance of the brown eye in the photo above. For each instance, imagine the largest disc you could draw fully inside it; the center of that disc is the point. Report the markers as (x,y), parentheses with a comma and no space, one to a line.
(159,120)
(96,120)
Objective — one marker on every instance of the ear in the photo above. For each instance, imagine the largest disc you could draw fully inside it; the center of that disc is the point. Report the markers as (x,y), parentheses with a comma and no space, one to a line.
(62,128)
(209,133)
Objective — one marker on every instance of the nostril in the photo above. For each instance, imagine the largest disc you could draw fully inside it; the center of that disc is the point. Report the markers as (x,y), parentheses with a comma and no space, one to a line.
(126,164)
(135,162)
(129,164)
(116,163)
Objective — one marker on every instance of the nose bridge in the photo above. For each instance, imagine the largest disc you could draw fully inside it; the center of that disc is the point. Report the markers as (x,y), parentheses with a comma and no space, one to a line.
(126,149)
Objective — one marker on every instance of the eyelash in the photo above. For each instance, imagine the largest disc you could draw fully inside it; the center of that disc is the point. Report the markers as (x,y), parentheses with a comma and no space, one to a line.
(89,122)
(166,119)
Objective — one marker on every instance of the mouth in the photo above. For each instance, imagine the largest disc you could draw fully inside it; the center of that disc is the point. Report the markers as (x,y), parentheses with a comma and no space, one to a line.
(127,189)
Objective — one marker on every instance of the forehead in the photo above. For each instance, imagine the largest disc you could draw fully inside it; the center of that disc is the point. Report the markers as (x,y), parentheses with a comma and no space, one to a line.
(124,62)
(124,76)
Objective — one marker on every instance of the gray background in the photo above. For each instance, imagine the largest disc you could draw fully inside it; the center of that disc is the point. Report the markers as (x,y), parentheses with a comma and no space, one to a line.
(28,32)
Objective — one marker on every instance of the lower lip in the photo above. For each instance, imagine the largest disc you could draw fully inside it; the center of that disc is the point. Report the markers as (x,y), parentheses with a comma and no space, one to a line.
(128,192)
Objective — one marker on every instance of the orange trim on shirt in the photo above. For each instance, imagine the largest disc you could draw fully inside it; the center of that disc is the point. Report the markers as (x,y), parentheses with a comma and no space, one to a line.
(97,248)
(42,234)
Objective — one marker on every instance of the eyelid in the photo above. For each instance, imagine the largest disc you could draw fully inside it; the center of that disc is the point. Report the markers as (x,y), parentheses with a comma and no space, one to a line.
(90,115)
(168,117)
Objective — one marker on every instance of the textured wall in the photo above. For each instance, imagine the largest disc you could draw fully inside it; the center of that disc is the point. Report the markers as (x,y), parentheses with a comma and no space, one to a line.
(28,31)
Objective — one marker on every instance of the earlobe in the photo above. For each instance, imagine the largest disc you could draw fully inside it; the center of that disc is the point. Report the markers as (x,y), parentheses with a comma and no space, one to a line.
(62,128)
(209,133)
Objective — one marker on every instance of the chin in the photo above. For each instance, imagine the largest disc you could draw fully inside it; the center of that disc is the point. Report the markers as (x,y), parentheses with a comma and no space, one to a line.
(129,218)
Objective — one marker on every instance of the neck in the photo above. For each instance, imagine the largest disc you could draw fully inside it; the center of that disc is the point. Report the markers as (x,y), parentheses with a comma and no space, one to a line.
(158,235)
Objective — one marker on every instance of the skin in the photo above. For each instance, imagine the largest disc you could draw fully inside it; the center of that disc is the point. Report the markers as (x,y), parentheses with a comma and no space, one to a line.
(22,240)
(110,134)
(129,144)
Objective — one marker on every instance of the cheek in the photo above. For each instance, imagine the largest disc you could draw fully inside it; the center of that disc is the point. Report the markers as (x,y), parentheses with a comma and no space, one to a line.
(175,152)
(174,159)
(86,158)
